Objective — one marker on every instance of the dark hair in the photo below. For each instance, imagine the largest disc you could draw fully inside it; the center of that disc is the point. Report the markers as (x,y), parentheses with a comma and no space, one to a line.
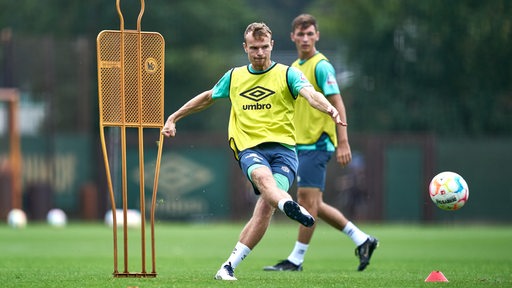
(303,21)
(258,30)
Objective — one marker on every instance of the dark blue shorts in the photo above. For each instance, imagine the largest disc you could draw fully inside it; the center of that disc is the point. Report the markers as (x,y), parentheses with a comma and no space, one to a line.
(313,168)
(275,156)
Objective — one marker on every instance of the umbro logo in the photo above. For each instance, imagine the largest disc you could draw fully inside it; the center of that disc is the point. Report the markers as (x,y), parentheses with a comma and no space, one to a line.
(257,93)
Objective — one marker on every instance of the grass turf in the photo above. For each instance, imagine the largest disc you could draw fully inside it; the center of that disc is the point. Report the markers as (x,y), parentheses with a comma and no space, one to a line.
(188,255)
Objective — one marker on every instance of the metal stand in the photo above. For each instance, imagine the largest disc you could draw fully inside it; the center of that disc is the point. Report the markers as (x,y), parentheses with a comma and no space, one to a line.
(131,96)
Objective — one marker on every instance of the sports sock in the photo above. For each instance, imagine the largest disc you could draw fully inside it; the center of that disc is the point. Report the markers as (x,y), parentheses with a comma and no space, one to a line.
(298,253)
(239,253)
(281,202)
(358,236)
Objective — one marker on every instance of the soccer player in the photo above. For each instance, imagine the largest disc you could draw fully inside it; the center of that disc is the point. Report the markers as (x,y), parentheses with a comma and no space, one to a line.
(317,138)
(261,133)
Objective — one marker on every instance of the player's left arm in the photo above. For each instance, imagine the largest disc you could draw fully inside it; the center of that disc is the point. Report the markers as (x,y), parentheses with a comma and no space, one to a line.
(343,151)
(326,80)
(301,86)
(318,101)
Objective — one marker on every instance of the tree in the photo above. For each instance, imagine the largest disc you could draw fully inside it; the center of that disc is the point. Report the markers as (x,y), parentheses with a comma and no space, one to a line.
(203,39)
(426,65)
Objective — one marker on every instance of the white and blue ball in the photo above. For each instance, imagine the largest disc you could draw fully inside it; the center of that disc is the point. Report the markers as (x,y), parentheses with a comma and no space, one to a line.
(133,218)
(16,218)
(57,218)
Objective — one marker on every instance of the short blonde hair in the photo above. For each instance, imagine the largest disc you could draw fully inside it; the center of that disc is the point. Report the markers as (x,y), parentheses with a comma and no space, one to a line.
(258,30)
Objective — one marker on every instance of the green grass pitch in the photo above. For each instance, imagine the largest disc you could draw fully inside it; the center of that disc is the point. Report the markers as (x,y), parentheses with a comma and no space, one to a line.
(188,255)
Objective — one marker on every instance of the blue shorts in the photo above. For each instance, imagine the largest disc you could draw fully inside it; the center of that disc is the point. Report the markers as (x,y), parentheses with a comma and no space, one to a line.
(313,168)
(278,158)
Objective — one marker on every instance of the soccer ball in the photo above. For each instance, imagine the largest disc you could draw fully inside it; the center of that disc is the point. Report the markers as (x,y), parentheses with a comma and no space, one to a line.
(133,218)
(56,218)
(449,191)
(17,218)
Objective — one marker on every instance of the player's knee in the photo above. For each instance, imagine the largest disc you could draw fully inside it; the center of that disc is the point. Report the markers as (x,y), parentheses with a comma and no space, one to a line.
(308,197)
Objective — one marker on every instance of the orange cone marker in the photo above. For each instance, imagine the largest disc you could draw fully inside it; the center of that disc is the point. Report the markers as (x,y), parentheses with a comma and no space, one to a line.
(436,276)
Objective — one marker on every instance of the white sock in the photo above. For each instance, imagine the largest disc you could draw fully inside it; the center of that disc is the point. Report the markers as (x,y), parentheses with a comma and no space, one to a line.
(239,253)
(298,253)
(281,202)
(355,234)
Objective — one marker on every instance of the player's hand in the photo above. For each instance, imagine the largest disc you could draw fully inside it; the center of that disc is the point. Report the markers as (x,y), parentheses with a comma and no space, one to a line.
(343,154)
(335,115)
(169,129)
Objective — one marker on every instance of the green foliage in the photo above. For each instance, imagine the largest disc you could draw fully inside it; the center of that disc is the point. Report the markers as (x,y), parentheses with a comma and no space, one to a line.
(202,38)
(426,65)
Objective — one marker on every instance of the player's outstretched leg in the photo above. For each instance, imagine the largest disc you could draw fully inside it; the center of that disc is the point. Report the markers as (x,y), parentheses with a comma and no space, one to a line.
(296,212)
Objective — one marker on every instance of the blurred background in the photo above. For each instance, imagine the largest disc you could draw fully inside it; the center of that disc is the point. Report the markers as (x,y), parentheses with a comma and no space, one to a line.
(427,87)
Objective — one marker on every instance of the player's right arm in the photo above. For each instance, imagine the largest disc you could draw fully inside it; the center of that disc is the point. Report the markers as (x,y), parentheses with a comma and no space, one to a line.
(196,104)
